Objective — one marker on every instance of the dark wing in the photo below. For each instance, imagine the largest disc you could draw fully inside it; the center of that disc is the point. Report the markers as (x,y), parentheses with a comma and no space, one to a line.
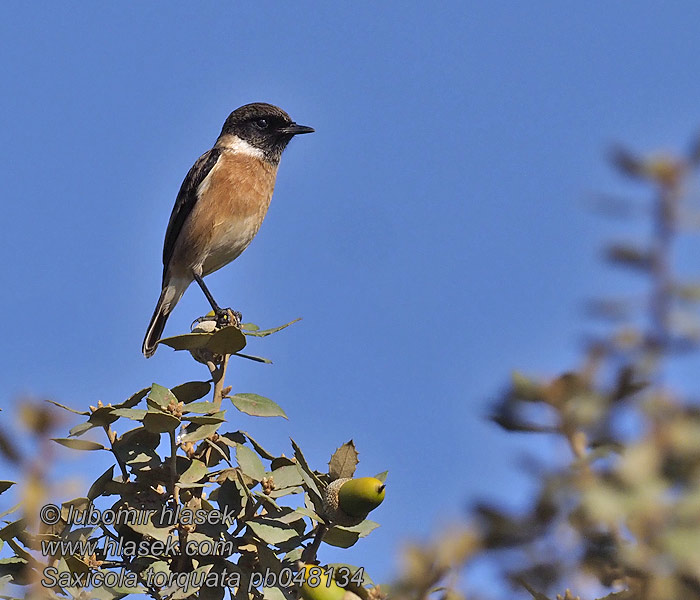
(186,199)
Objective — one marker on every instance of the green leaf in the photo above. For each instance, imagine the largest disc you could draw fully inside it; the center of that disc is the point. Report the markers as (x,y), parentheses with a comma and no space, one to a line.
(135,414)
(201,408)
(179,592)
(340,537)
(258,448)
(187,341)
(249,463)
(282,461)
(298,454)
(249,327)
(158,532)
(13,529)
(98,487)
(191,391)
(217,417)
(102,416)
(271,531)
(10,510)
(231,495)
(306,469)
(344,537)
(290,491)
(267,332)
(79,444)
(80,429)
(203,431)
(210,592)
(689,291)
(12,567)
(113,593)
(228,340)
(293,555)
(534,593)
(134,399)
(630,256)
(221,450)
(311,486)
(382,476)
(196,471)
(364,528)
(276,593)
(526,388)
(68,408)
(257,406)
(268,502)
(287,476)
(344,461)
(260,359)
(160,422)
(137,438)
(136,448)
(307,512)
(6,485)
(162,396)
(20,552)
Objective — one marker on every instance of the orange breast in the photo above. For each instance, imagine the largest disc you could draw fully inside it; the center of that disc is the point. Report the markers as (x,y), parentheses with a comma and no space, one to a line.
(233,201)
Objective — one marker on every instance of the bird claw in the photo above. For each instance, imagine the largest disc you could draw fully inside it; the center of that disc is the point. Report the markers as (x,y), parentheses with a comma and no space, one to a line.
(228,316)
(222,317)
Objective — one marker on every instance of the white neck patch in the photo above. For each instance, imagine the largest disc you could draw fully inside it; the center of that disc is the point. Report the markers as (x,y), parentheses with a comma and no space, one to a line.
(239,146)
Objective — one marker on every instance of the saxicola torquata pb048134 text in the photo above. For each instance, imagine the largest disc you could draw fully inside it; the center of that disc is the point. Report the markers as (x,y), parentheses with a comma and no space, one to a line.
(221,205)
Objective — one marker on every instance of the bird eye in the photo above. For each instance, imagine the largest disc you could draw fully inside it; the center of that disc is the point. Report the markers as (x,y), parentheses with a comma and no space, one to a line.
(261,123)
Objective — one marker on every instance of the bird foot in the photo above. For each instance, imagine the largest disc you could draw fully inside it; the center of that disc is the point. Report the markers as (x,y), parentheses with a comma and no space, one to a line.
(223,317)
(228,316)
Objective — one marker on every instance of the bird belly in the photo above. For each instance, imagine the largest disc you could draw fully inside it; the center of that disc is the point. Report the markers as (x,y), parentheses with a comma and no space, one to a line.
(231,204)
(229,239)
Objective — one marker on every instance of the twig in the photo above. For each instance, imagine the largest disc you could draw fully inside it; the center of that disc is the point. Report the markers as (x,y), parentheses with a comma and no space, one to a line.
(218,375)
(174,490)
(661,277)
(112,436)
(219,450)
(309,553)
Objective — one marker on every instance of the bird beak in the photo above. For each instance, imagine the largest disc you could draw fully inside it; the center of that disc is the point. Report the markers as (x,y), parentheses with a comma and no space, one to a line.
(295,129)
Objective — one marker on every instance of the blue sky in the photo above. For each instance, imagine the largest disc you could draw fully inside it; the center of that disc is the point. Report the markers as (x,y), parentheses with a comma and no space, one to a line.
(432,234)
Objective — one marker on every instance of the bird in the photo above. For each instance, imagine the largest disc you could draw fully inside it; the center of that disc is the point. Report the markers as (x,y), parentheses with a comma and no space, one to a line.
(220,206)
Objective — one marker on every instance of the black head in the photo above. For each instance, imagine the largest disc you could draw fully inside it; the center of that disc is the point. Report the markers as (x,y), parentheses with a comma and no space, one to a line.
(265,127)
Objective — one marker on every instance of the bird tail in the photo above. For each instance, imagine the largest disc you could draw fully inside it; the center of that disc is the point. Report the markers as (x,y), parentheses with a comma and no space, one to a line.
(169,297)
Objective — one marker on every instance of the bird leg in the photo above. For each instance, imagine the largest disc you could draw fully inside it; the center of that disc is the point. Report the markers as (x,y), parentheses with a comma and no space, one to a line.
(224,316)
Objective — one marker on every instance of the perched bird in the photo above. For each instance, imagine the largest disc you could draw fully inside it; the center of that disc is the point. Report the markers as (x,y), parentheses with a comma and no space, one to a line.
(221,205)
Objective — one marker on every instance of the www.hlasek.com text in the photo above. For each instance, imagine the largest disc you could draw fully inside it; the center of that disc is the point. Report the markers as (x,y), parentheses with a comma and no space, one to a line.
(111,547)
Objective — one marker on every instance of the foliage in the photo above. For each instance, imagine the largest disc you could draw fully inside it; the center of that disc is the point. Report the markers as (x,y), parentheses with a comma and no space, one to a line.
(205,499)
(616,518)
(620,519)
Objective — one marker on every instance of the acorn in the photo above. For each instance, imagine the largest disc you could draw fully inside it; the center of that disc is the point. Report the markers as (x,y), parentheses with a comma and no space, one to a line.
(324,589)
(347,501)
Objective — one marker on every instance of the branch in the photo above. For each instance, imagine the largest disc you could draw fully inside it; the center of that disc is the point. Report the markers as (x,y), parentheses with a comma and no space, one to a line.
(174,490)
(111,436)
(309,553)
(218,375)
